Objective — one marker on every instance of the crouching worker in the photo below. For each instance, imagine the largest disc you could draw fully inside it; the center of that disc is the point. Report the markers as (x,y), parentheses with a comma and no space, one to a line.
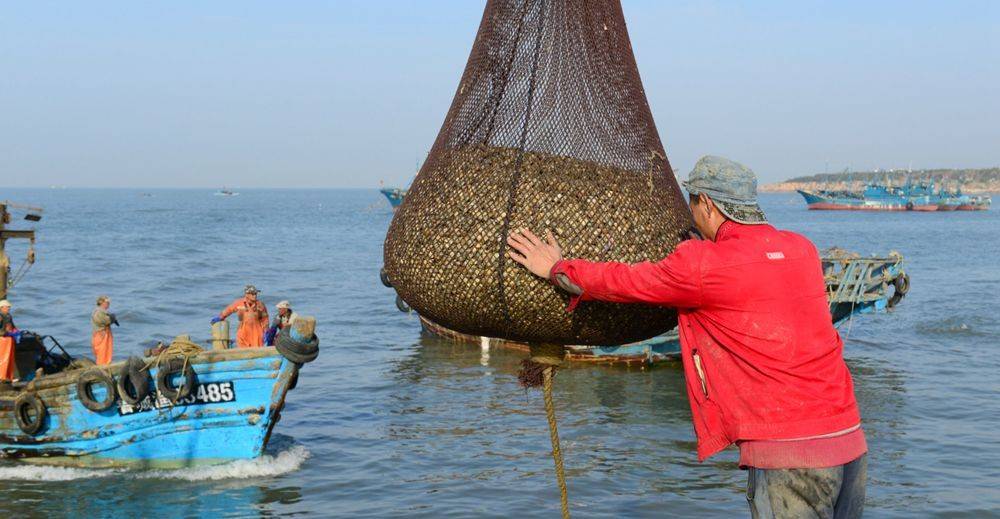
(102,341)
(763,363)
(253,318)
(283,320)
(9,337)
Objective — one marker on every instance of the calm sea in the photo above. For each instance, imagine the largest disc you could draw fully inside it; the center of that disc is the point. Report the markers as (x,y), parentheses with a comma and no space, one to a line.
(386,423)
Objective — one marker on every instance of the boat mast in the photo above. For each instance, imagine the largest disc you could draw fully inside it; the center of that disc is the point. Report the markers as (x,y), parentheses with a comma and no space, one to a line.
(9,234)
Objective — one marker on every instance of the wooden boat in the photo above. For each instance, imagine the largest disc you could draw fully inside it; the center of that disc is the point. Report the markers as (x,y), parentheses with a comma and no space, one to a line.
(179,406)
(228,413)
(855,285)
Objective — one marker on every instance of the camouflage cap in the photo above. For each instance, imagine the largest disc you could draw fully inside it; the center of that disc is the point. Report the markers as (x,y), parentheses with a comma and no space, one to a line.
(731,185)
(250,289)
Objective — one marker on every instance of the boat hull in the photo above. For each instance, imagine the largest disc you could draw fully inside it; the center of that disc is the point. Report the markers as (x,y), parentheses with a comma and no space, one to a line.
(237,401)
(395,196)
(818,202)
(874,296)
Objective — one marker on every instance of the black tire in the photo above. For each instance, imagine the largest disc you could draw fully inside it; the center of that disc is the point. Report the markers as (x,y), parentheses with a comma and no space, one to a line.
(297,352)
(174,366)
(909,206)
(85,390)
(133,383)
(402,306)
(384,278)
(901,285)
(30,413)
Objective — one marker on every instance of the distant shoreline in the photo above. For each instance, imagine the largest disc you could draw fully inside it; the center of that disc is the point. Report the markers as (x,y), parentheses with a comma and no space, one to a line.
(972,181)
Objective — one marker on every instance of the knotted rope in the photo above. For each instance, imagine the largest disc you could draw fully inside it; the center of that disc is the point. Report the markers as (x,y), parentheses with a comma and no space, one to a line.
(181,346)
(540,370)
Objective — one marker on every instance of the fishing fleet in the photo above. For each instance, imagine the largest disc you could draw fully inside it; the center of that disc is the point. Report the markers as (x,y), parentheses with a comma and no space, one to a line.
(920,196)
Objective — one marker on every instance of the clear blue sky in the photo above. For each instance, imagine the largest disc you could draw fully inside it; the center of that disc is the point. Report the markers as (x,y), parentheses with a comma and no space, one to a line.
(344,93)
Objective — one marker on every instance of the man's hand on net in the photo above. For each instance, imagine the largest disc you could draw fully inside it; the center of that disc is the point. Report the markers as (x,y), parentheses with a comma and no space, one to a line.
(529,250)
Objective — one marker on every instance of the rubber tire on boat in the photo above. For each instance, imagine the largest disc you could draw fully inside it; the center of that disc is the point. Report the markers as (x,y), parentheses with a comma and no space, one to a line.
(297,352)
(29,402)
(384,278)
(902,283)
(401,305)
(909,206)
(901,286)
(133,377)
(173,367)
(84,390)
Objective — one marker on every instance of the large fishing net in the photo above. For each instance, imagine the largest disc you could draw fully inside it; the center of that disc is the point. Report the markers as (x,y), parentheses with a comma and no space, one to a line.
(549,130)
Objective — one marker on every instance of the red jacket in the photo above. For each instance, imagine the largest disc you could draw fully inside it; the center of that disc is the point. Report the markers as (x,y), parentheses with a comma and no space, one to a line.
(761,356)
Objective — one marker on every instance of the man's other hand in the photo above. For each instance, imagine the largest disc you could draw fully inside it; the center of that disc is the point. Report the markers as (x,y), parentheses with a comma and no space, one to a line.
(529,250)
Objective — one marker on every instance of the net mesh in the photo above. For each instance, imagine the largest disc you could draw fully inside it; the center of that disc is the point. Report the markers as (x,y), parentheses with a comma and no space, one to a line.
(549,130)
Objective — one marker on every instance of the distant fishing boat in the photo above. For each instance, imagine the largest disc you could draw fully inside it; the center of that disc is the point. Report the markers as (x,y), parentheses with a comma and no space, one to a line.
(178,406)
(878,197)
(855,285)
(975,203)
(395,196)
(225,192)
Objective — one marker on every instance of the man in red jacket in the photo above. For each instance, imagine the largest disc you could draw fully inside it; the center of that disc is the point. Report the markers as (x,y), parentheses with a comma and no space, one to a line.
(764,364)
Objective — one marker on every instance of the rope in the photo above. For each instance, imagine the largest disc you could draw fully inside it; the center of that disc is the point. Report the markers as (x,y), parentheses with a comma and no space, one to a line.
(550,414)
(540,370)
(23,269)
(181,346)
(515,180)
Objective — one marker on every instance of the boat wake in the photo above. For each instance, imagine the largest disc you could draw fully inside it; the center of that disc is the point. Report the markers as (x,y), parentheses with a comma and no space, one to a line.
(283,462)
(265,466)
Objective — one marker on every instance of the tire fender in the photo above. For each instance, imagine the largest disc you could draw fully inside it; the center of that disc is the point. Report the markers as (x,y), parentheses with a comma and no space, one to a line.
(85,384)
(30,413)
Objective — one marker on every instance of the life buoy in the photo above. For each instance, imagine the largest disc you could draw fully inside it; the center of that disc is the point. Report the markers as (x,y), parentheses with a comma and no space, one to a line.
(85,390)
(133,383)
(164,382)
(30,413)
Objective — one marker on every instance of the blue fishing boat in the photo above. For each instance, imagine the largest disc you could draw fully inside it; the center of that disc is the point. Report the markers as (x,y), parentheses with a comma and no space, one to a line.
(919,196)
(395,195)
(873,198)
(210,407)
(855,285)
(180,405)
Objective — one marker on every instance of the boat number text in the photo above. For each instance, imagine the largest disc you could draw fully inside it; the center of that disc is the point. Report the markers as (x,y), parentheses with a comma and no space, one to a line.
(209,393)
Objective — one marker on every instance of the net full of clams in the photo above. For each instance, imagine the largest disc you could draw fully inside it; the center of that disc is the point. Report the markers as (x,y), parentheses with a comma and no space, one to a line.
(549,130)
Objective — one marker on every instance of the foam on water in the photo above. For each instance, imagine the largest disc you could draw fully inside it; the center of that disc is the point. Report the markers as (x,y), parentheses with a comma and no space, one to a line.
(266,466)
(26,472)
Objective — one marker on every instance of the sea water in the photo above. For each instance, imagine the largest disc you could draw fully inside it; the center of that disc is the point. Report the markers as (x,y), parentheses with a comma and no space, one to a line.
(387,423)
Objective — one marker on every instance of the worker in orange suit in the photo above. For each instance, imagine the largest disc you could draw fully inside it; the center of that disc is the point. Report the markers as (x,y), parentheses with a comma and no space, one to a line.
(9,337)
(102,341)
(253,318)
